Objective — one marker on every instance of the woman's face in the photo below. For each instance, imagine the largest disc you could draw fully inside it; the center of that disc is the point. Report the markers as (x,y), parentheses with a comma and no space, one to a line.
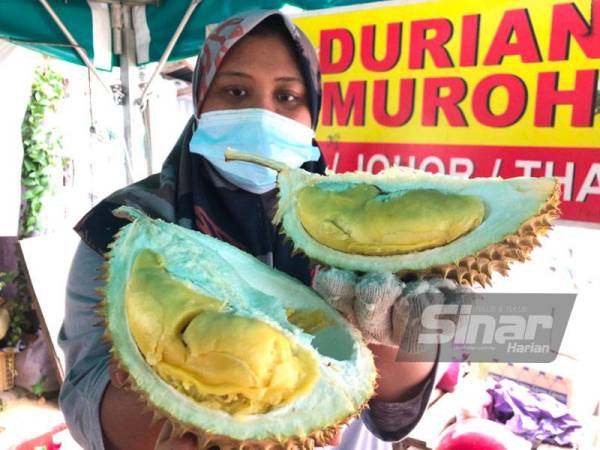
(260,72)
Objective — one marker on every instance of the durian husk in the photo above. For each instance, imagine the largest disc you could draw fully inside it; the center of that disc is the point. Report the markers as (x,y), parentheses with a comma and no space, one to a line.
(497,257)
(212,441)
(470,270)
(207,440)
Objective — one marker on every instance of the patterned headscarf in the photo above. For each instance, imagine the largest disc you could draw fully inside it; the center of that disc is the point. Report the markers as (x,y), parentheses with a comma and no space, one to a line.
(189,192)
(224,36)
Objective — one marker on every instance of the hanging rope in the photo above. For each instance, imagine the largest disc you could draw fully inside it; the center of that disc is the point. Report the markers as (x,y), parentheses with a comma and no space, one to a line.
(90,105)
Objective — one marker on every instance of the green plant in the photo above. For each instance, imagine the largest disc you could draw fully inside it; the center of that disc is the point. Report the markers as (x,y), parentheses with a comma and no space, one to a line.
(19,309)
(38,387)
(40,143)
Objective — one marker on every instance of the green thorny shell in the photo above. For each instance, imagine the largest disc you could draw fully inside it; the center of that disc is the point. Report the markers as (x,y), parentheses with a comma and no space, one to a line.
(249,291)
(513,213)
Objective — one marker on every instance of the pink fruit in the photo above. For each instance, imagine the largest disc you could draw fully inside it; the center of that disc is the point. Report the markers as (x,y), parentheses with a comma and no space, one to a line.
(480,434)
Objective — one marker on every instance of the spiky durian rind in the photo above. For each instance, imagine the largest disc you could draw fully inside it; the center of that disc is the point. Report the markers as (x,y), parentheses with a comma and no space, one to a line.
(497,257)
(475,268)
(210,441)
(206,439)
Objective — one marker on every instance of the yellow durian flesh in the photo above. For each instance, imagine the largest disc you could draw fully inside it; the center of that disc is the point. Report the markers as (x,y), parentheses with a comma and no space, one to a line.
(221,294)
(227,362)
(497,221)
(310,320)
(517,211)
(361,219)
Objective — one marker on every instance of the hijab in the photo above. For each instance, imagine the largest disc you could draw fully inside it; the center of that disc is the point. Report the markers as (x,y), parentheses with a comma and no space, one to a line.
(190,193)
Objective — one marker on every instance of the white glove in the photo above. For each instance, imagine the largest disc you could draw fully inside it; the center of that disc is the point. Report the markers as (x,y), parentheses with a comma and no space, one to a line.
(386,310)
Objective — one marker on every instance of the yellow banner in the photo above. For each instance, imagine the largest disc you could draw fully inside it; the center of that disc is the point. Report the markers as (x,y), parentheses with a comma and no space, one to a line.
(469,72)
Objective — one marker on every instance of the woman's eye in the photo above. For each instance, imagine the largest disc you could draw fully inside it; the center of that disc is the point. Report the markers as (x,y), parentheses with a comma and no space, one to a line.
(237,92)
(286,97)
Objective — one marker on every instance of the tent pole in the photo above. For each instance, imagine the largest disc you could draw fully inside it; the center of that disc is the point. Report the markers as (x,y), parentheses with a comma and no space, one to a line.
(132,119)
(74,43)
(168,50)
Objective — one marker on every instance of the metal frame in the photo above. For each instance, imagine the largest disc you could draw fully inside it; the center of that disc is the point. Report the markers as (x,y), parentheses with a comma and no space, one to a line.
(132,124)
(163,59)
(123,37)
(129,2)
(74,43)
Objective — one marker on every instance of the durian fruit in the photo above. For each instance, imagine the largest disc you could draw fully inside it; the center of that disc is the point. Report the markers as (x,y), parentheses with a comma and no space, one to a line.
(242,355)
(413,223)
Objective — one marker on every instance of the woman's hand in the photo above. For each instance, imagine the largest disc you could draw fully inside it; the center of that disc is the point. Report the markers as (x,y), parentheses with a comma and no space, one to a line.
(401,374)
(388,312)
(127,428)
(166,442)
(128,425)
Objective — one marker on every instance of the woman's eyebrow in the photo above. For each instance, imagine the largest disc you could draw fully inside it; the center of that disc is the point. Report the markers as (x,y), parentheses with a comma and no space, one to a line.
(233,73)
(290,78)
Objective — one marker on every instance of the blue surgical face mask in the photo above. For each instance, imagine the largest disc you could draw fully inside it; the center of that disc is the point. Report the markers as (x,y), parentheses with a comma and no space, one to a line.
(256,131)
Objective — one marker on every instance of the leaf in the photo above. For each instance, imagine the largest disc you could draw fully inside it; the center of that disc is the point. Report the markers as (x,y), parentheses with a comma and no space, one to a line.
(28,165)
(29,182)
(38,387)
(40,142)
(29,194)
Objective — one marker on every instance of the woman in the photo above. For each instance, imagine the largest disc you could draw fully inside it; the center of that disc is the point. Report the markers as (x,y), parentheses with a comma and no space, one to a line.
(257,69)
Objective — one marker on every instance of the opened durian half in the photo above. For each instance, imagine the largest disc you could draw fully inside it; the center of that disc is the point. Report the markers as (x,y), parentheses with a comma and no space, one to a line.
(226,347)
(413,223)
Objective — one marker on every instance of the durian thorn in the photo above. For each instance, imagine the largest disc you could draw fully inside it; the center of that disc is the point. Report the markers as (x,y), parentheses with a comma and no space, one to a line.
(503,269)
(453,274)
(207,440)
(100,307)
(467,262)
(148,409)
(481,263)
(481,279)
(100,324)
(127,214)
(232,154)
(469,276)
(554,214)
(486,270)
(156,418)
(100,312)
(180,430)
